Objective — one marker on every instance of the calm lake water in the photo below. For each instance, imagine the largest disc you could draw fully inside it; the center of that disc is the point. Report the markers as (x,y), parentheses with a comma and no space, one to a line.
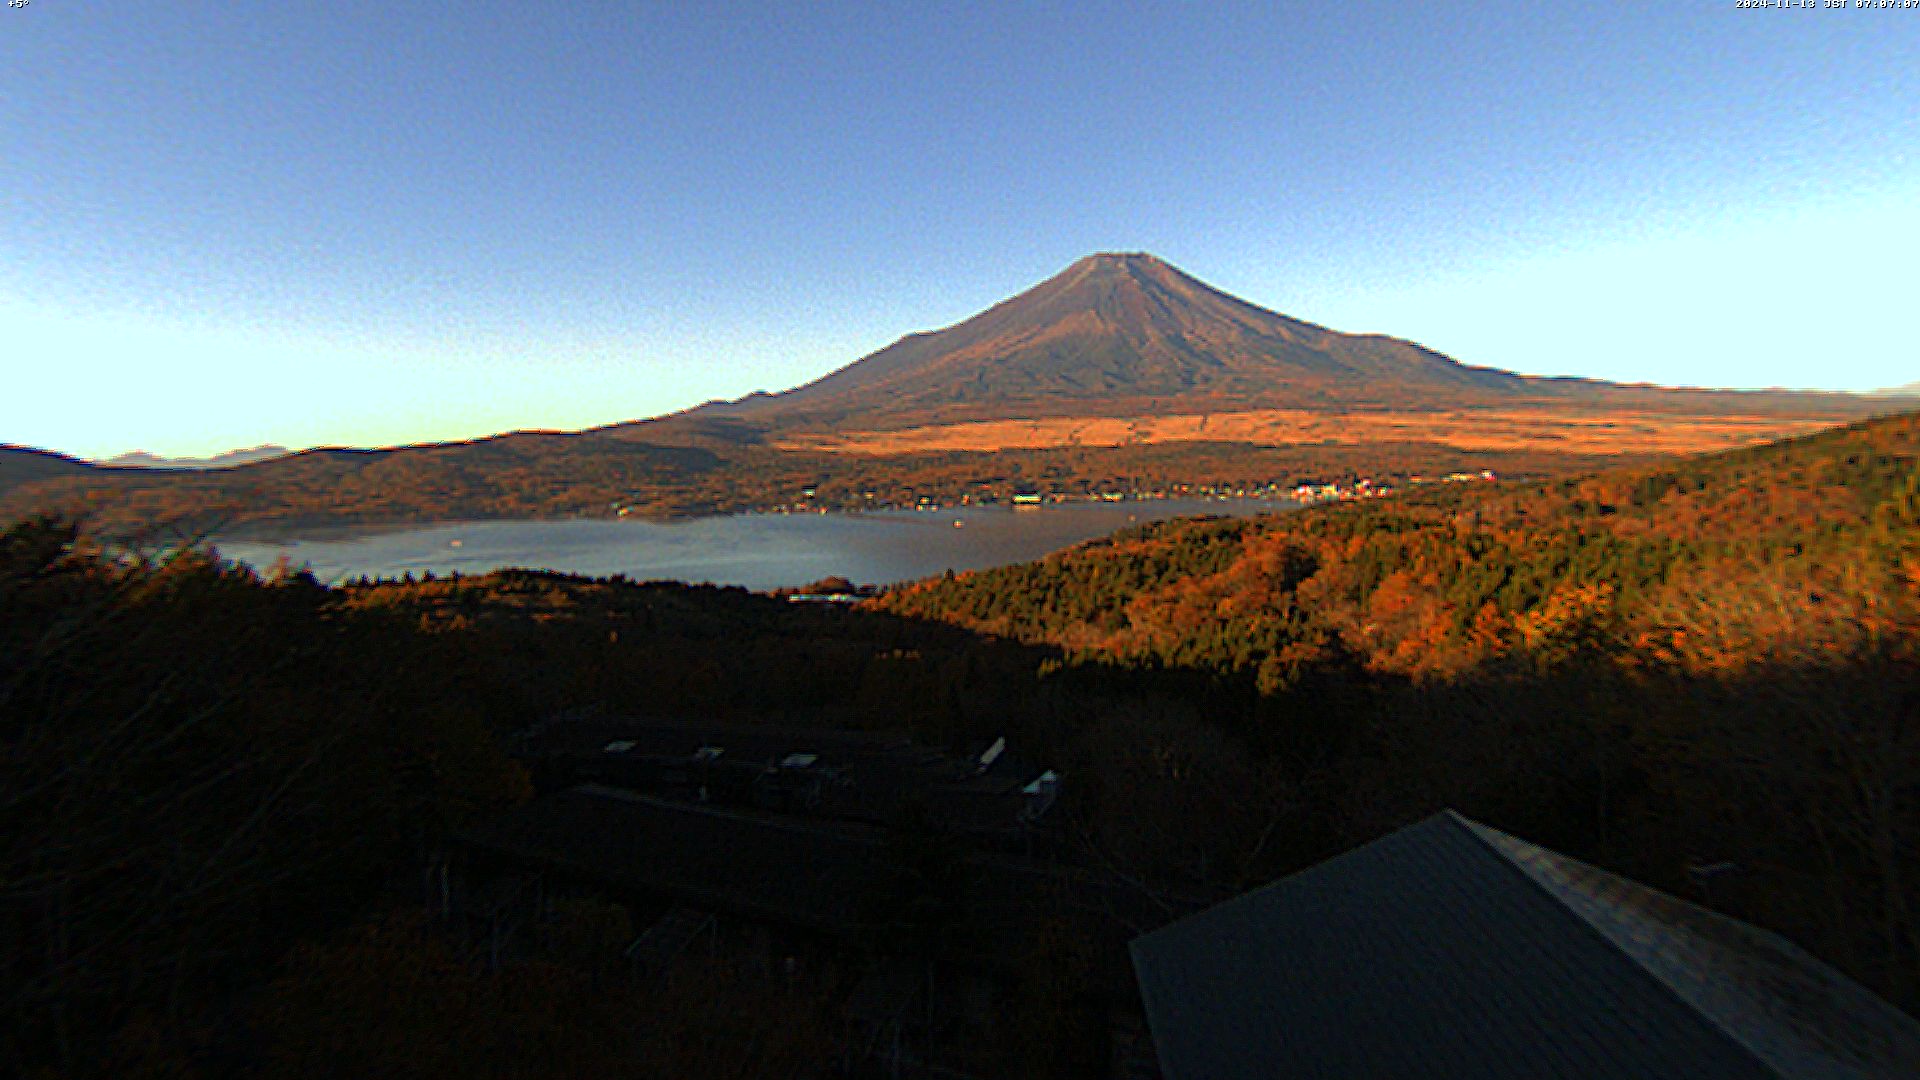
(759,551)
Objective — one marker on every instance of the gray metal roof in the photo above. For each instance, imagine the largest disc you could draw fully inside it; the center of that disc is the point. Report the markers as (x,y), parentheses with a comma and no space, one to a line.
(1449,949)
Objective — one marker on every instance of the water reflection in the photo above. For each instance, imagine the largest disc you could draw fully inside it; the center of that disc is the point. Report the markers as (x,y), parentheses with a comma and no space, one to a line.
(759,551)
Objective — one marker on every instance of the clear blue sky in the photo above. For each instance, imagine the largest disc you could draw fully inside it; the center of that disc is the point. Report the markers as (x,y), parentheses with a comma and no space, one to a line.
(372,223)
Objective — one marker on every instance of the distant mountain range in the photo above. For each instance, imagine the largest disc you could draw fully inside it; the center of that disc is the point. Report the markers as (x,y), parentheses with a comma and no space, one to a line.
(1119,373)
(140,459)
(1912,389)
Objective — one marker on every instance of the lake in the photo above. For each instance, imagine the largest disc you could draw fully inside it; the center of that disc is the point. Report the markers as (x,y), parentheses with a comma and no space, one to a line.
(759,551)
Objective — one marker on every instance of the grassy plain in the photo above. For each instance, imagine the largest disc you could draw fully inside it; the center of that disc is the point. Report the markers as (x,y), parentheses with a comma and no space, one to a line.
(1545,429)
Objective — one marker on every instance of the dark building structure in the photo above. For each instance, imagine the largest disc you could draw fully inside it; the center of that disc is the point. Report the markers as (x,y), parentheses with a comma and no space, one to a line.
(1450,949)
(915,880)
(820,774)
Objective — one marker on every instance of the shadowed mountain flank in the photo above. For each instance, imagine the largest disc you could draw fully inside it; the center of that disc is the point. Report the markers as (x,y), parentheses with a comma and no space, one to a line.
(1125,329)
(25,464)
(1130,335)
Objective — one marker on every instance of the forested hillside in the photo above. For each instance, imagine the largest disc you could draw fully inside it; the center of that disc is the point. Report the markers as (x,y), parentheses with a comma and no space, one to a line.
(220,789)
(1797,550)
(1707,663)
(603,475)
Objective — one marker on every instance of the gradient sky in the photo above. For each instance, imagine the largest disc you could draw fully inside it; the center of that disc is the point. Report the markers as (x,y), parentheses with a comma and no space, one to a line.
(373,223)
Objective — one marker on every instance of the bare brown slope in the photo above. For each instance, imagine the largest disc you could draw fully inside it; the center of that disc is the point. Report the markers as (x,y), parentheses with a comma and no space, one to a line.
(1120,330)
(1534,428)
(1130,336)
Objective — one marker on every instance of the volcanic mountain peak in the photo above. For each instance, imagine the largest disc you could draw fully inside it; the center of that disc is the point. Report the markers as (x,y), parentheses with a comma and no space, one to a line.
(1118,260)
(1119,331)
(1139,265)
(1138,293)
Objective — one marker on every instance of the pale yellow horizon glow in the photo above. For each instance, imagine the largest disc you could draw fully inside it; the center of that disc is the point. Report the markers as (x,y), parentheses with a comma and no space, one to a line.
(1810,297)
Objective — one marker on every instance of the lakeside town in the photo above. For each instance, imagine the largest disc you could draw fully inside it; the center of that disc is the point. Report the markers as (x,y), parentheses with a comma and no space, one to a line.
(1306,492)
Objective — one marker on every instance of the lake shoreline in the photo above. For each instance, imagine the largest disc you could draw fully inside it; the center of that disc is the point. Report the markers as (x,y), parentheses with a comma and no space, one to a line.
(762,551)
(335,527)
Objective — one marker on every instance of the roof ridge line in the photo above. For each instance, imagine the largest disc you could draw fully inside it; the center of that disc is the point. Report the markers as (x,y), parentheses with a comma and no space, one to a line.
(1478,832)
